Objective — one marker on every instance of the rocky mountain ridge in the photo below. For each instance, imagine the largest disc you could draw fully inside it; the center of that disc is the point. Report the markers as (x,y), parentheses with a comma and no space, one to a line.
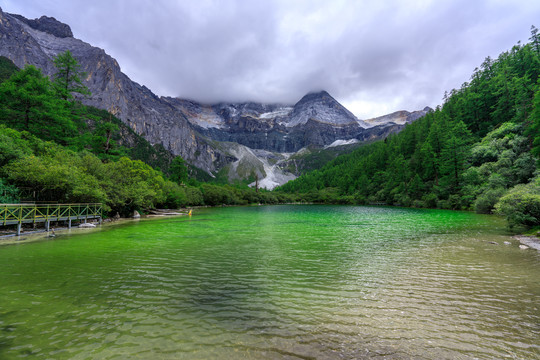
(316,119)
(202,134)
(399,117)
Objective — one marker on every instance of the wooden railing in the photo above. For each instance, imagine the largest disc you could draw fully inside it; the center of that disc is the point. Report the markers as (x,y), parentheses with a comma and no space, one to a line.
(45,213)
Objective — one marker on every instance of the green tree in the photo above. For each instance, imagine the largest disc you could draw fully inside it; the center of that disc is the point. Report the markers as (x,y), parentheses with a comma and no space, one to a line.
(521,205)
(56,177)
(416,187)
(102,138)
(7,68)
(534,119)
(27,102)
(132,185)
(9,194)
(178,170)
(12,146)
(453,157)
(68,78)
(535,39)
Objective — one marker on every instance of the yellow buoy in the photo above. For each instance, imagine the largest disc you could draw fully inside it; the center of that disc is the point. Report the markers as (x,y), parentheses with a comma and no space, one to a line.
(189,213)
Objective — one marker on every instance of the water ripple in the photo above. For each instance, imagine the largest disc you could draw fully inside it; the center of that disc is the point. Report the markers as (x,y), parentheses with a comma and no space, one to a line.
(277,282)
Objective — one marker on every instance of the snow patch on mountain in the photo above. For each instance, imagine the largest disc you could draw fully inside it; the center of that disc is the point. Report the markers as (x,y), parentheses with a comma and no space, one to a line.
(277,113)
(274,177)
(342,143)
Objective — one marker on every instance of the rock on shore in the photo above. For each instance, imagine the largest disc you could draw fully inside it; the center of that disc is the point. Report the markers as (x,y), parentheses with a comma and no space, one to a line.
(530,241)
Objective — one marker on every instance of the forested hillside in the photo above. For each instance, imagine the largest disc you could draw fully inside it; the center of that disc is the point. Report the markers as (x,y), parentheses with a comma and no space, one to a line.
(479,150)
(53,148)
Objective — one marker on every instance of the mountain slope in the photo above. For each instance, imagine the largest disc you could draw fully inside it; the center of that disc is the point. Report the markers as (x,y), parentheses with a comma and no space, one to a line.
(399,117)
(201,134)
(111,89)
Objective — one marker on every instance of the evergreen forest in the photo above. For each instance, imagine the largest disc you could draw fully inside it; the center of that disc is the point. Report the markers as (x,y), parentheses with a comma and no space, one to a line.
(478,151)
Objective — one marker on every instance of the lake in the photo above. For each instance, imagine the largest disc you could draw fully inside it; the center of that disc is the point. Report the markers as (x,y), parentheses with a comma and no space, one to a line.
(275,282)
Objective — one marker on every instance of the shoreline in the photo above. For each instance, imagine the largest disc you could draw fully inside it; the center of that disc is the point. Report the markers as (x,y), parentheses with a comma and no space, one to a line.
(42,234)
(529,241)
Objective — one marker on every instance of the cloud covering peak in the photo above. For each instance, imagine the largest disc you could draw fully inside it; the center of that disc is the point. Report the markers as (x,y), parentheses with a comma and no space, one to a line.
(373,57)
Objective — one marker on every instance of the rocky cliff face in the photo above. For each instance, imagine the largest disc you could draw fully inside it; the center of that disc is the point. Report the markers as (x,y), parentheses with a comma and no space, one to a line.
(36,42)
(201,134)
(47,24)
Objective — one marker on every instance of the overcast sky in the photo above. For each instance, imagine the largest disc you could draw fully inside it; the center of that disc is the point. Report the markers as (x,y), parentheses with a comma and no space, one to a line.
(375,57)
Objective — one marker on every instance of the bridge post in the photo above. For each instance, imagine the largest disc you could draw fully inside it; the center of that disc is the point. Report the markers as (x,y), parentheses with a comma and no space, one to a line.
(69,223)
(47,225)
(19,225)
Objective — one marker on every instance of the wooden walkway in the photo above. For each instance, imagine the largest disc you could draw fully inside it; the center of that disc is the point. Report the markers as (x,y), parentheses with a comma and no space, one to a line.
(19,214)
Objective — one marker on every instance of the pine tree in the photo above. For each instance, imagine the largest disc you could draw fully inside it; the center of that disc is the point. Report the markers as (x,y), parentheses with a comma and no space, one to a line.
(178,170)
(27,102)
(535,39)
(453,157)
(68,79)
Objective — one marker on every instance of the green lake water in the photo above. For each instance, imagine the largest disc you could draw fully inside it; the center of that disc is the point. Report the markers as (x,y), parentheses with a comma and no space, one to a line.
(275,282)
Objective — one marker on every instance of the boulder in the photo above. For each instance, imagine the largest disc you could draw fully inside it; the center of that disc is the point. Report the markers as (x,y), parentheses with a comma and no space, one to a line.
(523,247)
(136,215)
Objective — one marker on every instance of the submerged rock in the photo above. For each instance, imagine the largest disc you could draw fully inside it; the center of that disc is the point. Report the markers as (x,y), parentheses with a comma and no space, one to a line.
(523,247)
(87,225)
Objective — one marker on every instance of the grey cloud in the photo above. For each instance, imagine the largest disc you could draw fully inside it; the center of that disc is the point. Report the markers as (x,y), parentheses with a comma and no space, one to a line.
(377,56)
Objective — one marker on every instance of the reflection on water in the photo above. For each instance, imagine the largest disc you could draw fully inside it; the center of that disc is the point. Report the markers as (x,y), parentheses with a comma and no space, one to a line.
(292,282)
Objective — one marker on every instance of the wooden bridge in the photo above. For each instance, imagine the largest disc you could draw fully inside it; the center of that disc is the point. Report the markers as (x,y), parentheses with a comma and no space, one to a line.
(19,214)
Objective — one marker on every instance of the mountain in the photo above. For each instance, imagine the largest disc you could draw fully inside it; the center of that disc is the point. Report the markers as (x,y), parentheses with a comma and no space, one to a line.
(36,42)
(322,108)
(207,136)
(316,119)
(399,117)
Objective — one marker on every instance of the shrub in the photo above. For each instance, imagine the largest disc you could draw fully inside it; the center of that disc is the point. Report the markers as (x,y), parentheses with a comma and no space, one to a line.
(521,205)
(430,200)
(485,203)
(175,195)
(194,196)
(8,194)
